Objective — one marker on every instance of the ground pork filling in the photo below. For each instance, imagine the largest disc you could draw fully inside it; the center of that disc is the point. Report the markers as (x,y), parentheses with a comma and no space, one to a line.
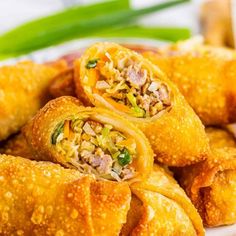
(127,82)
(95,148)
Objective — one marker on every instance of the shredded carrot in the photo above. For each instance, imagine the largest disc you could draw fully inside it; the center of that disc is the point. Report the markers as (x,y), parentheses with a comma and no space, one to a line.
(66,130)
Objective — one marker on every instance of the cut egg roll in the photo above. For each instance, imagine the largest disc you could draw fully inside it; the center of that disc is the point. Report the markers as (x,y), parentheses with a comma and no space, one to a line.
(43,198)
(111,76)
(23,90)
(92,140)
(211,185)
(205,75)
(160,207)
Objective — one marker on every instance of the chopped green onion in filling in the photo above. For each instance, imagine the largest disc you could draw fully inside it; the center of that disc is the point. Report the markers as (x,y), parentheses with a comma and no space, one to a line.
(92,63)
(124,157)
(57,132)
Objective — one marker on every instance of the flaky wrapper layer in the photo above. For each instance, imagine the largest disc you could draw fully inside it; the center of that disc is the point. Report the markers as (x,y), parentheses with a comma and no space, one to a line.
(39,131)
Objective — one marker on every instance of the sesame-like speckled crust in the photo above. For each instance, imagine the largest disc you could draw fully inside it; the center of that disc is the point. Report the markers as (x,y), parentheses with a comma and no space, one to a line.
(211,185)
(42,198)
(39,130)
(206,78)
(16,146)
(23,90)
(160,207)
(177,136)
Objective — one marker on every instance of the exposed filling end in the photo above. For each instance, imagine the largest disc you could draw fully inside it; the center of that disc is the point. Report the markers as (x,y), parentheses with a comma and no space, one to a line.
(97,148)
(127,81)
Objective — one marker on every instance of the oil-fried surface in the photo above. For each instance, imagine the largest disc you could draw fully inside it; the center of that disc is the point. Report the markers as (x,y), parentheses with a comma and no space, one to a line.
(23,90)
(39,130)
(41,198)
(211,185)
(160,207)
(172,134)
(206,78)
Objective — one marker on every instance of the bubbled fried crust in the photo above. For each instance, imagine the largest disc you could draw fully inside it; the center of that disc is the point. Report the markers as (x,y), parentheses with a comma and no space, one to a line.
(211,184)
(206,78)
(157,199)
(174,134)
(41,198)
(31,81)
(39,130)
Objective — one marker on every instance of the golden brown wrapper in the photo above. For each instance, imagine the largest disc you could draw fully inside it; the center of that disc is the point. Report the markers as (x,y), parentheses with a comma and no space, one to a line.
(173,134)
(160,207)
(205,75)
(211,185)
(42,198)
(23,90)
(39,130)
(16,146)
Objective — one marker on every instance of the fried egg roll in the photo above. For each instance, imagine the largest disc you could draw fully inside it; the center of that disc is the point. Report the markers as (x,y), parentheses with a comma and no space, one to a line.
(160,207)
(205,75)
(23,90)
(211,185)
(111,76)
(42,198)
(92,140)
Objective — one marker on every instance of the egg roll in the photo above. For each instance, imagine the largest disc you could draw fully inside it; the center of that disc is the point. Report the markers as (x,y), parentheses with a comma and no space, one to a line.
(92,140)
(211,185)
(16,145)
(205,75)
(111,76)
(160,207)
(23,90)
(42,198)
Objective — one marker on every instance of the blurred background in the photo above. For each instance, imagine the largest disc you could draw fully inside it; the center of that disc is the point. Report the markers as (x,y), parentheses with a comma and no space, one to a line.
(214,19)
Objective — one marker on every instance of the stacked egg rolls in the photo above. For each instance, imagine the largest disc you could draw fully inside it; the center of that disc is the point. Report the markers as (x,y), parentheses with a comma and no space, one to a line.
(111,76)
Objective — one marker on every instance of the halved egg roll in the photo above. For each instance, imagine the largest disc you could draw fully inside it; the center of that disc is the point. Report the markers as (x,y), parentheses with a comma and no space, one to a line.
(211,185)
(109,75)
(160,207)
(205,76)
(23,90)
(92,140)
(42,198)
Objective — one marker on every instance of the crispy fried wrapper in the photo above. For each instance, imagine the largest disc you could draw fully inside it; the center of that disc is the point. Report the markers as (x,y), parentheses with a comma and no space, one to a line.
(205,75)
(211,185)
(160,207)
(16,145)
(92,140)
(31,82)
(109,75)
(42,198)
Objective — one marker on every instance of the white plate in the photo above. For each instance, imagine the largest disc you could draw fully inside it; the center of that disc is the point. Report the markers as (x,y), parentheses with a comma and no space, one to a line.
(55,52)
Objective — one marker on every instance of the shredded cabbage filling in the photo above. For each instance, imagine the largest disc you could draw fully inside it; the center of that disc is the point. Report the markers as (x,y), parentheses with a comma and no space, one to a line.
(97,148)
(127,82)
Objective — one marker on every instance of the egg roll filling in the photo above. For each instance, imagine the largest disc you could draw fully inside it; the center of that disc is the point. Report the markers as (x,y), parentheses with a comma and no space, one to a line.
(128,81)
(93,147)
